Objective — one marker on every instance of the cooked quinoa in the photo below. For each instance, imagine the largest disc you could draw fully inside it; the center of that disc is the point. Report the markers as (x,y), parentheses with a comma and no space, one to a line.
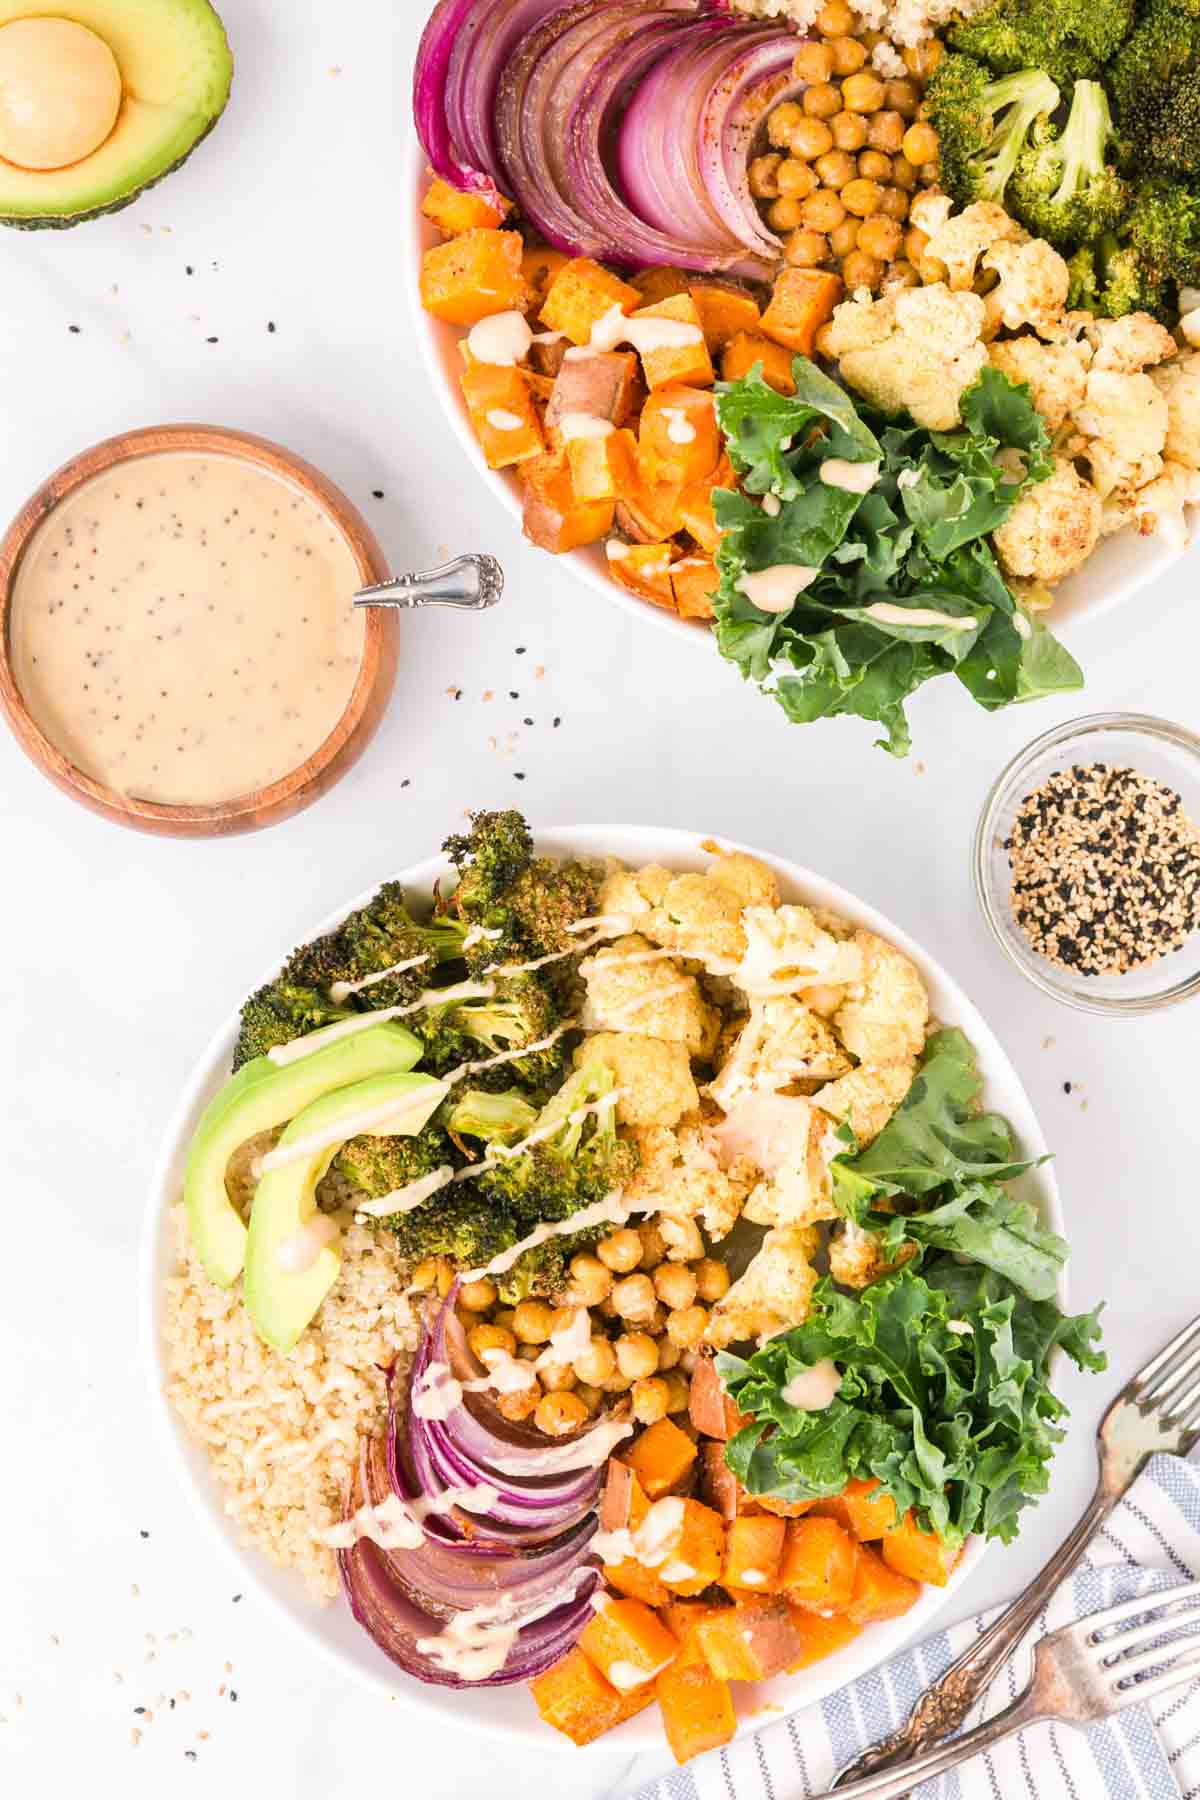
(905,21)
(282,1432)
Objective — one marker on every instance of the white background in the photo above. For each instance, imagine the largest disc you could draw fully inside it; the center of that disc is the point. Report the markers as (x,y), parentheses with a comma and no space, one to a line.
(119,954)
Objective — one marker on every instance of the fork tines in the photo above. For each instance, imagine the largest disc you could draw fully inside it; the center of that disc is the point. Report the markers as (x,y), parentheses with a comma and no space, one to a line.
(1161,1644)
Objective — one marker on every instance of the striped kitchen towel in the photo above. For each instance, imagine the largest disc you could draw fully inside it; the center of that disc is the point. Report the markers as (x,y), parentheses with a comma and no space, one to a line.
(1152,1541)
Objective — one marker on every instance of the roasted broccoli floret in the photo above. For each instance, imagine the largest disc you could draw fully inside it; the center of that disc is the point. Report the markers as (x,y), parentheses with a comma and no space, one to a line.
(984,125)
(375,1166)
(1064,188)
(493,1118)
(279,1012)
(551,897)
(458,1223)
(519,906)
(1164,229)
(1066,39)
(360,959)
(1155,81)
(489,858)
(519,1011)
(1108,278)
(544,1271)
(581,1162)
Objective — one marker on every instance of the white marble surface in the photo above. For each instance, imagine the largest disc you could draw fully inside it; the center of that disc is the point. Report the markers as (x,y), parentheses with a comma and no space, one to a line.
(120,953)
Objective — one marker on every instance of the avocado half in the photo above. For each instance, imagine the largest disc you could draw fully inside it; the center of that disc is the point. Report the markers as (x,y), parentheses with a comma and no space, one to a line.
(176,69)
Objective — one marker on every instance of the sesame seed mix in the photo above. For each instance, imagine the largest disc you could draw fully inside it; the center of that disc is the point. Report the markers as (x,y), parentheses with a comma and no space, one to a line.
(1106,870)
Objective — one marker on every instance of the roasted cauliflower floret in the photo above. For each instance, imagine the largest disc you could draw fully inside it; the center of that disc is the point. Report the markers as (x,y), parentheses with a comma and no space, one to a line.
(787,951)
(913,350)
(781,1042)
(963,239)
(1032,289)
(1129,344)
(700,918)
(633,987)
(683,1175)
(654,1077)
(627,893)
(1124,420)
(794,1145)
(866,1098)
(884,1016)
(773,1295)
(856,1256)
(1159,506)
(1178,382)
(1056,374)
(1052,529)
(750,881)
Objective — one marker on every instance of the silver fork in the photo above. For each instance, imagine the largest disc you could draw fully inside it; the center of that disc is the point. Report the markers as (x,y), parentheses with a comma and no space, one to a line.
(1159,1410)
(1098,1666)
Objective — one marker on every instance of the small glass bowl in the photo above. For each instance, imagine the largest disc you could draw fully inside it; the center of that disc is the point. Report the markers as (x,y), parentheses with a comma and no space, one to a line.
(1166,753)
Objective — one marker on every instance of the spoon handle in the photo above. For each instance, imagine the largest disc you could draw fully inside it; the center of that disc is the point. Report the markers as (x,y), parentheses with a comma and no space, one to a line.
(469,583)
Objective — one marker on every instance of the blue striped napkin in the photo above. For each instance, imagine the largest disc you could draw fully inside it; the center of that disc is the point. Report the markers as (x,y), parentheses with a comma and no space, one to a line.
(1152,1541)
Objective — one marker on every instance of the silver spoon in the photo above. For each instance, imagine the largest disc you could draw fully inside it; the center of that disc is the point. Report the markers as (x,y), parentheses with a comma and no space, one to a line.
(469,583)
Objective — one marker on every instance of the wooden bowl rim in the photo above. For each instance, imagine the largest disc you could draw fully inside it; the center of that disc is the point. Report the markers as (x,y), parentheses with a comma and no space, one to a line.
(262,806)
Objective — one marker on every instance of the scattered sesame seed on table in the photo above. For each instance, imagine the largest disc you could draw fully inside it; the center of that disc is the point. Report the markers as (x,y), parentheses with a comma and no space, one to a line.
(1106,870)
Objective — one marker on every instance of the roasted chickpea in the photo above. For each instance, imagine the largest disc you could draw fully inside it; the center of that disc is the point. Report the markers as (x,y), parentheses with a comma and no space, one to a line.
(920,144)
(870,38)
(478,1296)
(835,19)
(653,1246)
(637,1355)
(712,1279)
(521,1405)
(849,130)
(822,101)
(668,1354)
(880,236)
(621,1251)
(595,1364)
(559,1414)
(813,62)
(903,97)
(651,1400)
(784,215)
(557,1377)
(810,139)
(885,131)
(686,1328)
(591,1282)
(675,1285)
(863,92)
(679,1391)
(929,174)
(504,1315)
(806,250)
(862,198)
(922,59)
(836,168)
(932,270)
(842,240)
(899,274)
(861,271)
(606,1309)
(796,179)
(849,55)
(823,211)
(533,1322)
(617,1383)
(528,1353)
(634,1299)
(435,1271)
(592,1398)
(903,174)
(915,241)
(783,122)
(491,1337)
(895,203)
(764,177)
(875,166)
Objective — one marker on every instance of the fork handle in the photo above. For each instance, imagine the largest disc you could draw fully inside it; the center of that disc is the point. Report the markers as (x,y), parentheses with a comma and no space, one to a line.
(946,1704)
(892,1784)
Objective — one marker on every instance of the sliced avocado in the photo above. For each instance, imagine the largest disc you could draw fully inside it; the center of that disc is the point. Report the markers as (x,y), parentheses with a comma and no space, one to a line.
(261,1096)
(175,69)
(282,1300)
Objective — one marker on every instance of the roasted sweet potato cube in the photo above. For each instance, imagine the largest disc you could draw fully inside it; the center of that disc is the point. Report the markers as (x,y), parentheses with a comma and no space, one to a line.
(818,1564)
(472,276)
(820,1636)
(724,311)
(802,302)
(576,1699)
(688,1540)
(678,436)
(751,1641)
(503,414)
(879,1592)
(623,1504)
(680,355)
(645,569)
(649,512)
(753,1554)
(747,348)
(696,506)
(681,1617)
(454,211)
(697,1710)
(628,1643)
(554,517)
(863,1508)
(540,267)
(603,386)
(710,1409)
(636,1583)
(581,294)
(784,1509)
(719,1487)
(604,464)
(661,1458)
(921,1555)
(694,583)
(659,284)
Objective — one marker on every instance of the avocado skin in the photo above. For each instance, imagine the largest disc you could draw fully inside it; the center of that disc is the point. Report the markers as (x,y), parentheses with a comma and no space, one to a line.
(64,221)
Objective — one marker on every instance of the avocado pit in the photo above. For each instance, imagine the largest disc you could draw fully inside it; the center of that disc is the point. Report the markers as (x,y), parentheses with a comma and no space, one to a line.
(60,92)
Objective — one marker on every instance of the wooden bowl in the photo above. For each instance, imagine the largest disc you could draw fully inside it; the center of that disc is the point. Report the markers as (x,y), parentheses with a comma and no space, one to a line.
(364,710)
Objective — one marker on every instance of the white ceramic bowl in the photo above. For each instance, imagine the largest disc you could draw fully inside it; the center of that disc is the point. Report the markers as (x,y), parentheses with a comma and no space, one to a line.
(1121,567)
(510,1712)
